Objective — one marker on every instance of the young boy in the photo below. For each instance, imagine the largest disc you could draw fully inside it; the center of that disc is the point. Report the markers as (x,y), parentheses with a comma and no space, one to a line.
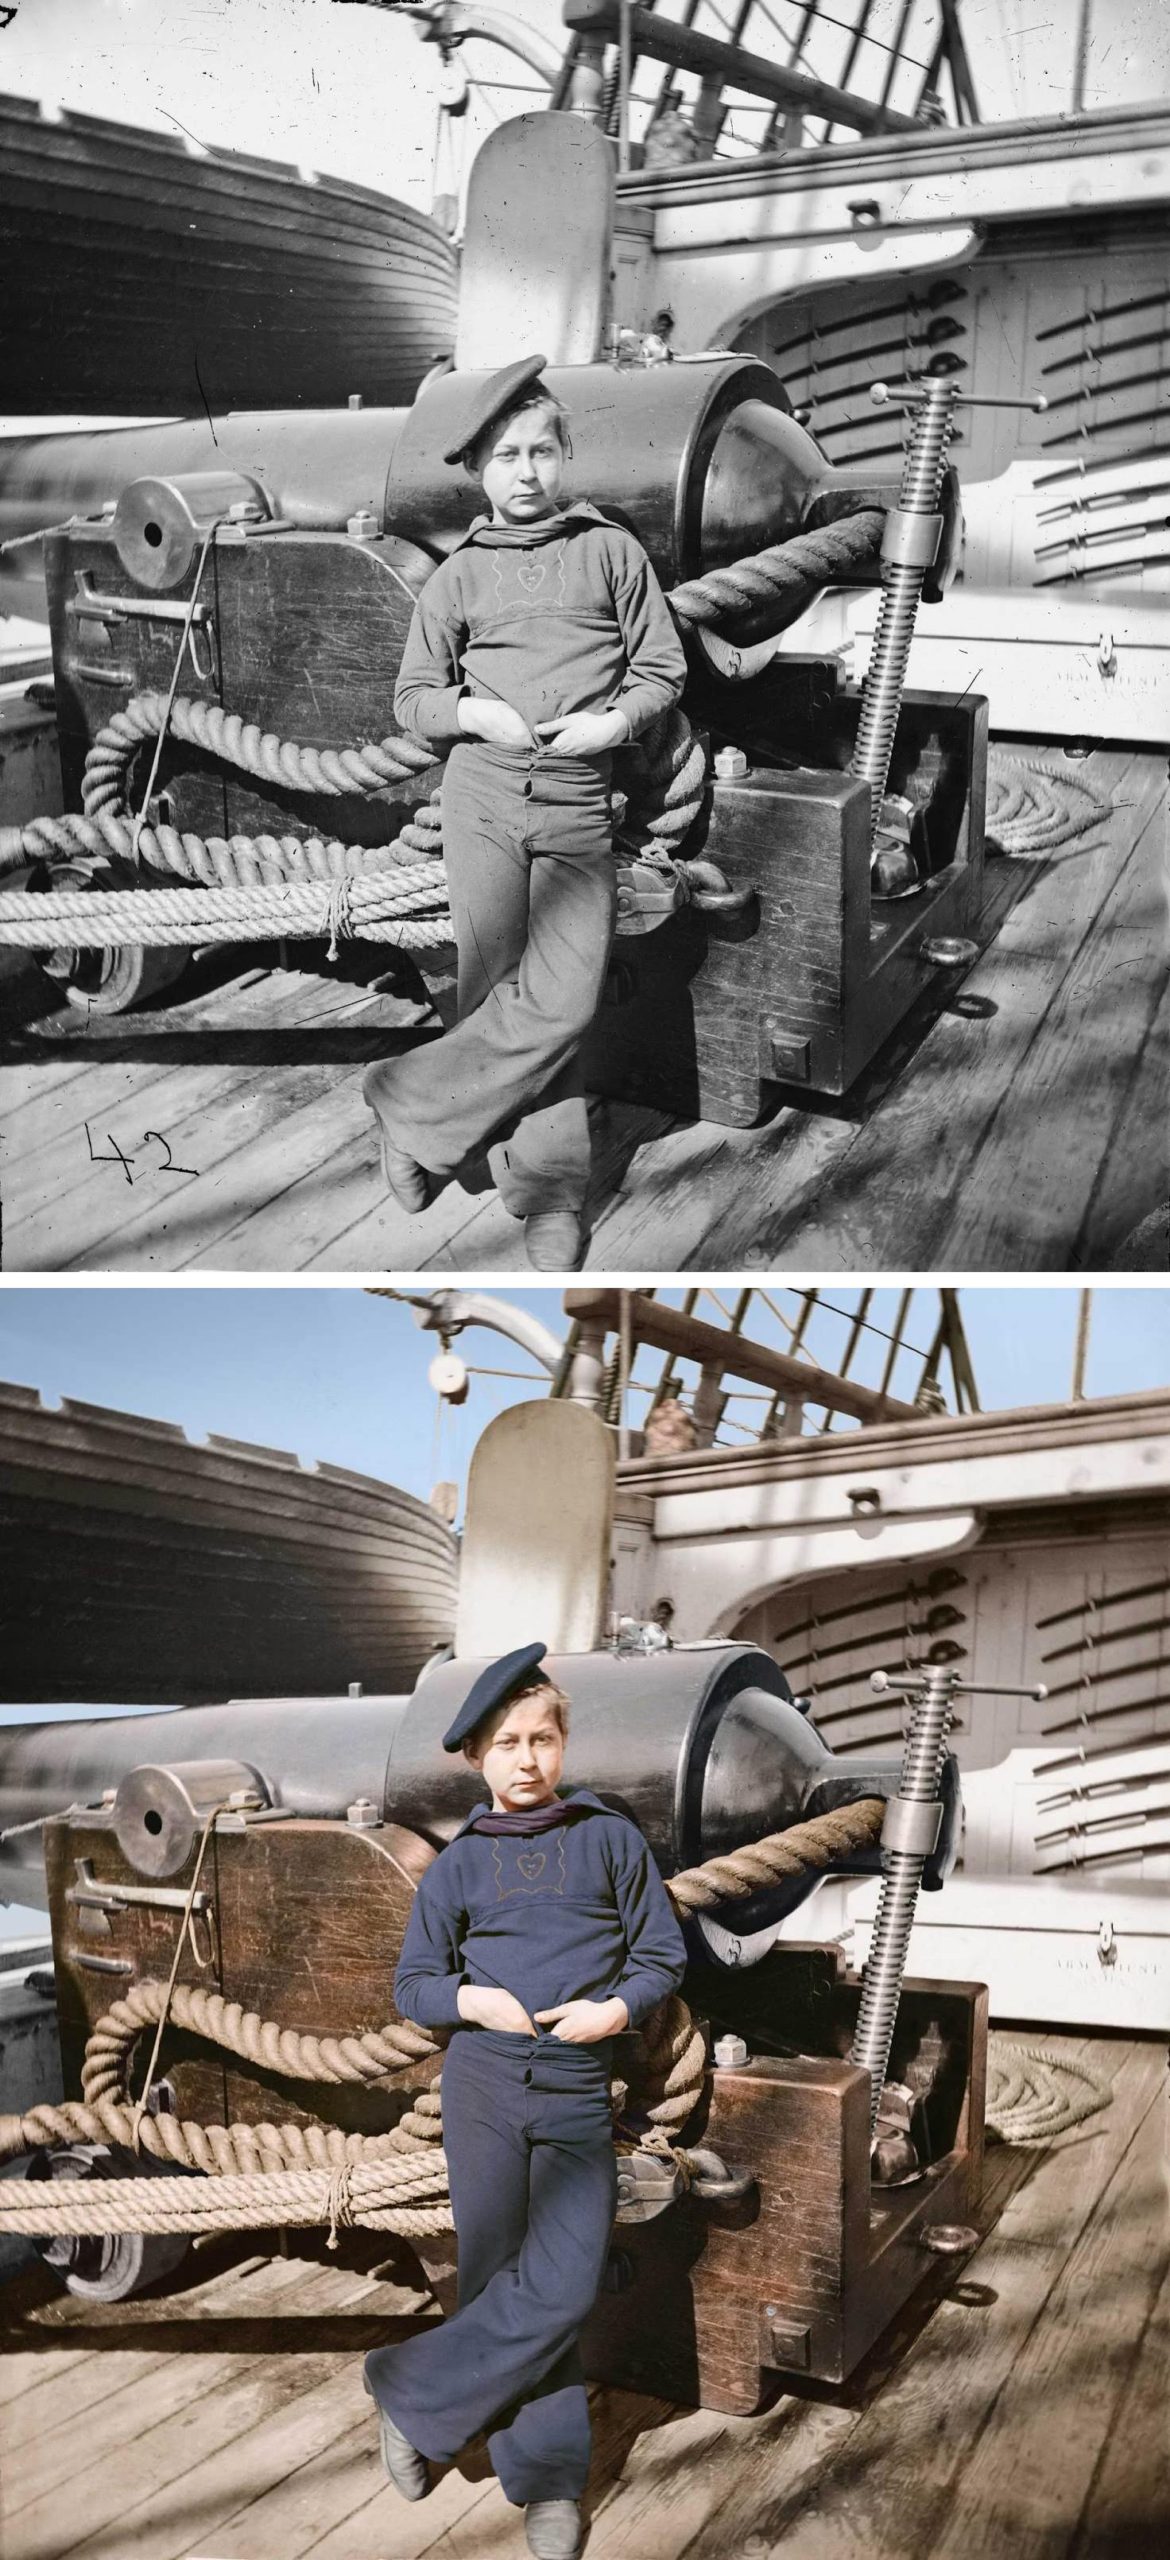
(540,1933)
(539,646)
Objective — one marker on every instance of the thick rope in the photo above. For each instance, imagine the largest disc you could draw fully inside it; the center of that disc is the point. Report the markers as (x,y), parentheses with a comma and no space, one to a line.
(382,907)
(1034,2094)
(372,2191)
(791,571)
(330,772)
(807,1849)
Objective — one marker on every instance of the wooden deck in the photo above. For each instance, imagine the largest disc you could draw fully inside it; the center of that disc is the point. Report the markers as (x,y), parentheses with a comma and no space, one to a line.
(1019,1125)
(1018,2416)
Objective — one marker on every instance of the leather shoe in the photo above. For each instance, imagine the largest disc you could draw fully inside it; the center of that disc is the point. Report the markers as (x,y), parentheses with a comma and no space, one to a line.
(552,1239)
(405,1179)
(553,2529)
(405,2467)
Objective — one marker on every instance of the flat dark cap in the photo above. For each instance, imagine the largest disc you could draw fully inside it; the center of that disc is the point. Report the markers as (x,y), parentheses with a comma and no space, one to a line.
(486,395)
(495,1684)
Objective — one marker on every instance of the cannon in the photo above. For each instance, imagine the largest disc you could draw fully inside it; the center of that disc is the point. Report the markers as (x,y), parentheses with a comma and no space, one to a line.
(794,2258)
(263,567)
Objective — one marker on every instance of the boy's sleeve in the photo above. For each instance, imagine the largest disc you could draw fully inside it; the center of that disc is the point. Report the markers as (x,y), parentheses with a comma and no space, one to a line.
(656,1956)
(430,1966)
(430,677)
(655,665)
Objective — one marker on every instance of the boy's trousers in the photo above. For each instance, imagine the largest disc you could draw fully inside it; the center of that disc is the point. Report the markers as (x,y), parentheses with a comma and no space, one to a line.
(533,884)
(528,2137)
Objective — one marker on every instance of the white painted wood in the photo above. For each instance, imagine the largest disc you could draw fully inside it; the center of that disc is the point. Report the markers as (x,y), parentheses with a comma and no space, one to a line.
(533,281)
(537,1542)
(1098,1958)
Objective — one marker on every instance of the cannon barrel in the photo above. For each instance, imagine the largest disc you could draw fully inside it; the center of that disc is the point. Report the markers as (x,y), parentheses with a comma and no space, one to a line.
(703,458)
(703,1745)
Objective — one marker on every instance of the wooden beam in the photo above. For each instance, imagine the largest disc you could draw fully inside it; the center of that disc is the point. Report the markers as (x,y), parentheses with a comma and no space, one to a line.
(664,41)
(688,1338)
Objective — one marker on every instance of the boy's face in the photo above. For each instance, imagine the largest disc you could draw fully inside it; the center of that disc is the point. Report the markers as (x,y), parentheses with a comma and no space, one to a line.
(520,1756)
(523,467)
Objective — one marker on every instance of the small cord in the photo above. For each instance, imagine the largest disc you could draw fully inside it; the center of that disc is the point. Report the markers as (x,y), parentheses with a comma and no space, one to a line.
(180,1943)
(180,653)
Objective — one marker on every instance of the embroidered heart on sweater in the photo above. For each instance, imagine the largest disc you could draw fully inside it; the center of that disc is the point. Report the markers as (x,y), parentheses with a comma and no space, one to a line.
(530,1863)
(531,575)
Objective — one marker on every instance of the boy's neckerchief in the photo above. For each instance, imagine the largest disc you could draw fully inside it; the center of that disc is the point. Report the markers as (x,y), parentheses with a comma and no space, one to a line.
(521,537)
(543,1817)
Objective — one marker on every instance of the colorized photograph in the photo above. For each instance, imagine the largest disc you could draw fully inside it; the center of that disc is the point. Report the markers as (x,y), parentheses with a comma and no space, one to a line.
(585,1949)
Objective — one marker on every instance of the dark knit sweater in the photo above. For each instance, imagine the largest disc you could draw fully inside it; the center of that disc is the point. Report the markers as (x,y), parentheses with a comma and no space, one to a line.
(578,1912)
(558,616)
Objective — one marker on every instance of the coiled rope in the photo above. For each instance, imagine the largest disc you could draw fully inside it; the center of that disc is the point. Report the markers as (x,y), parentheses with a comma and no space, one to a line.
(1034,2093)
(1036,807)
(270,887)
(295,2166)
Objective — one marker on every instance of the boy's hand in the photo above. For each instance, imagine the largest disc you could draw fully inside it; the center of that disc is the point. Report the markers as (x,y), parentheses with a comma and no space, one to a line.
(495,722)
(486,2008)
(586,2021)
(584,733)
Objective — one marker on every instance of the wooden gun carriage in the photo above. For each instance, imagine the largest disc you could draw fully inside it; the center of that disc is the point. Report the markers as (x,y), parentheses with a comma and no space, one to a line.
(800,2256)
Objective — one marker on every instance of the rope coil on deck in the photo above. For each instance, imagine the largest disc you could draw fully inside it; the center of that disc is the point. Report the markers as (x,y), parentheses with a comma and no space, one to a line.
(1034,2093)
(412,2195)
(663,776)
(1036,807)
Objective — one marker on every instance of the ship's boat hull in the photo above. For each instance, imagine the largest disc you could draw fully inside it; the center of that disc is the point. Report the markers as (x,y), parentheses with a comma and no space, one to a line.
(144,1568)
(144,278)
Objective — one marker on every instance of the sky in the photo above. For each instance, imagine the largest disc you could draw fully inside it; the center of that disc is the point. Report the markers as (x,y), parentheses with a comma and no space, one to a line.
(347,90)
(332,1373)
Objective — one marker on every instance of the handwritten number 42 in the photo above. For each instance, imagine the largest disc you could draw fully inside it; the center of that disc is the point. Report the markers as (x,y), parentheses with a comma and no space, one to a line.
(119,1155)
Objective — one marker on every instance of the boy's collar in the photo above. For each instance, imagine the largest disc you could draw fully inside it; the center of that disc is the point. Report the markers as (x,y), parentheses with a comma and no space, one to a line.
(543,530)
(577,1799)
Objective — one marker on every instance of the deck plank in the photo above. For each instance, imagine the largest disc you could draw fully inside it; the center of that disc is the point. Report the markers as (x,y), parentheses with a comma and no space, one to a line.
(1031,2482)
(1128,2504)
(41,1098)
(38,2358)
(1025,1197)
(153,2381)
(180,2436)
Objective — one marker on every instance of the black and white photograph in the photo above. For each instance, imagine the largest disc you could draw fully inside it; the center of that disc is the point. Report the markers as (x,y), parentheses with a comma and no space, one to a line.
(775,403)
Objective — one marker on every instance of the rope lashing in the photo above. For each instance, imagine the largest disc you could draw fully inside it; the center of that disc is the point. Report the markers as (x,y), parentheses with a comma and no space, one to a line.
(222,861)
(666,2086)
(297,2199)
(330,772)
(807,1849)
(722,599)
(382,907)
